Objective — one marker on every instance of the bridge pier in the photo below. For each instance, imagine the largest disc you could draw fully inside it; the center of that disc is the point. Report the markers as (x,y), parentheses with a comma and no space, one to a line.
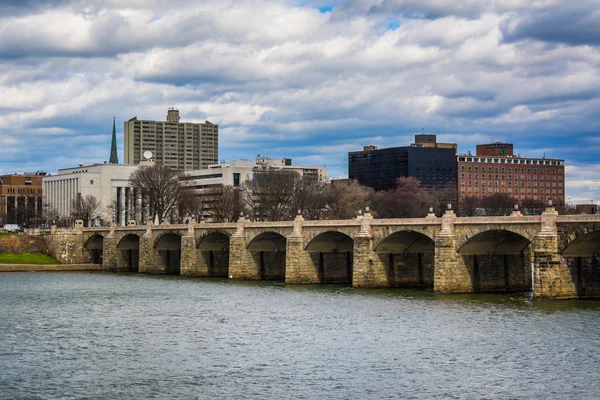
(148,263)
(368,269)
(451,273)
(190,262)
(242,265)
(109,252)
(299,265)
(552,275)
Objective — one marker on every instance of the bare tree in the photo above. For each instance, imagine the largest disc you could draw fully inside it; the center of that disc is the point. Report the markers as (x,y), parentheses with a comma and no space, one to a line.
(469,207)
(225,204)
(407,200)
(271,195)
(532,207)
(162,189)
(497,204)
(85,208)
(441,197)
(345,199)
(312,200)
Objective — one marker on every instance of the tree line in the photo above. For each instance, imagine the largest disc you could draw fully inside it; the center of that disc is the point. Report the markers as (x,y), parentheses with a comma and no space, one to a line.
(277,195)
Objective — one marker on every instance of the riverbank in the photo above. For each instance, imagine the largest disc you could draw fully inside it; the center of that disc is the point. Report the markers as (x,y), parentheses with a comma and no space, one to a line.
(26,258)
(49,267)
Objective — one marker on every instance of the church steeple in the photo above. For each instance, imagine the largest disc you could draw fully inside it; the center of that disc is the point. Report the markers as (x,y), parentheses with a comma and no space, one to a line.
(114,157)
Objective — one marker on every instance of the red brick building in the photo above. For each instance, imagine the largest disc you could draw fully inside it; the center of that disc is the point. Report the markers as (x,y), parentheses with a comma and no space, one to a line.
(21,198)
(495,169)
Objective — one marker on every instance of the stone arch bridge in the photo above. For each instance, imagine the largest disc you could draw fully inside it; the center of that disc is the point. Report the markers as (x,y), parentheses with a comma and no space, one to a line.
(556,255)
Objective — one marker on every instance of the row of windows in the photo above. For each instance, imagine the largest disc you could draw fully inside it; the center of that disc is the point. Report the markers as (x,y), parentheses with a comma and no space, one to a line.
(23,191)
(462,182)
(194,177)
(523,197)
(503,169)
(535,177)
(509,190)
(511,161)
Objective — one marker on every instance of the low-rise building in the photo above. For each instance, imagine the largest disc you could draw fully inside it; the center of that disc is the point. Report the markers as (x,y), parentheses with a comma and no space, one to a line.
(207,183)
(587,208)
(21,198)
(108,183)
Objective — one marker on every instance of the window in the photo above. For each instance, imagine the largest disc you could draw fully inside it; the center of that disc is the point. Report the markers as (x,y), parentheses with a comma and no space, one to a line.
(91,181)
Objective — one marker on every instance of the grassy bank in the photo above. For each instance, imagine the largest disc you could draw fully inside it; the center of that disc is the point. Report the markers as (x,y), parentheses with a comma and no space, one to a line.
(26,258)
(7,234)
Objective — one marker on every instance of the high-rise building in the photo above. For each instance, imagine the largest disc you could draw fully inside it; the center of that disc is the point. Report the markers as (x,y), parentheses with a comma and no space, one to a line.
(21,198)
(495,169)
(432,163)
(178,145)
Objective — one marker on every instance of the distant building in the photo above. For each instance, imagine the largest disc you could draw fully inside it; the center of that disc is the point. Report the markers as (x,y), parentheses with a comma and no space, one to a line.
(207,183)
(106,182)
(587,208)
(21,198)
(495,169)
(432,163)
(178,145)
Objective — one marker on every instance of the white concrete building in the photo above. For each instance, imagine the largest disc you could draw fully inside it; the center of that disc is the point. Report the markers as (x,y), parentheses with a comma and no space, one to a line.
(208,182)
(106,182)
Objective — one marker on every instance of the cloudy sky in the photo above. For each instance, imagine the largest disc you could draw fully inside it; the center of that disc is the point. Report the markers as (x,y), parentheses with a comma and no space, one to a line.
(310,80)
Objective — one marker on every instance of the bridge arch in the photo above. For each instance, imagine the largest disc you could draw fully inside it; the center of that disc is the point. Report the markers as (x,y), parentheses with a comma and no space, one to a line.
(128,250)
(332,253)
(408,257)
(582,257)
(213,250)
(581,242)
(497,260)
(267,250)
(167,252)
(95,247)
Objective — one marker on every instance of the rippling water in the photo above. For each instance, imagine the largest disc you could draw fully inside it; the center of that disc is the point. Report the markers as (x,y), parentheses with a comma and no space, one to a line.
(107,336)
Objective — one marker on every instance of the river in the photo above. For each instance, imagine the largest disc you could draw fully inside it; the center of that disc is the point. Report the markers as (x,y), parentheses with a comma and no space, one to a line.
(118,336)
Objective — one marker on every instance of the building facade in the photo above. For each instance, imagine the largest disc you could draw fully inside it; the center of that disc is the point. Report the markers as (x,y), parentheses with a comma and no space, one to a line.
(108,183)
(208,183)
(21,198)
(495,169)
(432,163)
(178,145)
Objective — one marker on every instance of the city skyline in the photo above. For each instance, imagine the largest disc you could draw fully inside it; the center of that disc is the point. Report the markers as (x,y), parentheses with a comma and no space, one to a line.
(306,80)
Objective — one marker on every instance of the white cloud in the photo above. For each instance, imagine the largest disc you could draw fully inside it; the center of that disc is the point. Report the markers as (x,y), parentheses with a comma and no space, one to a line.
(282,77)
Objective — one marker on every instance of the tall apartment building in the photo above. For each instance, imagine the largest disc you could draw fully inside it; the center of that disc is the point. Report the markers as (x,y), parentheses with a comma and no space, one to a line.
(432,163)
(495,169)
(179,145)
(21,198)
